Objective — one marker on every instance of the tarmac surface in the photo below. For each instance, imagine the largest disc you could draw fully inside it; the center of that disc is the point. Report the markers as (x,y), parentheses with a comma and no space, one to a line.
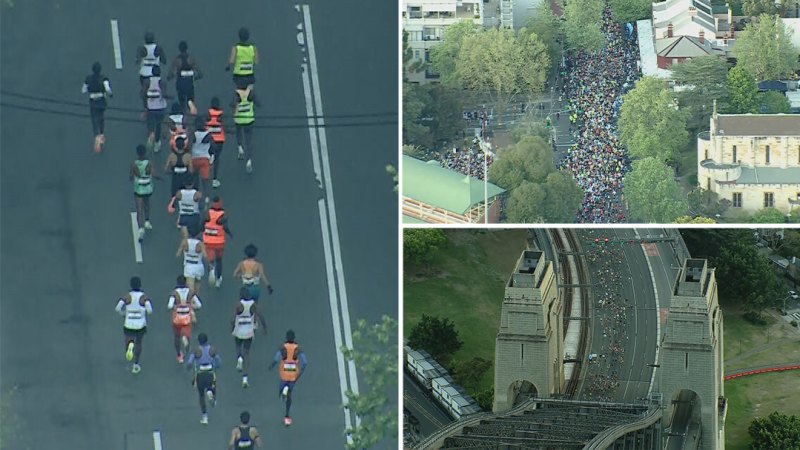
(67,244)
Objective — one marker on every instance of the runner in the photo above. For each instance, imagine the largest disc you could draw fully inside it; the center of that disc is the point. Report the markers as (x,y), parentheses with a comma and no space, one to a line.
(243,103)
(188,202)
(243,325)
(201,156)
(185,67)
(252,273)
(192,249)
(205,361)
(216,226)
(243,436)
(177,124)
(135,306)
(148,56)
(155,102)
(287,357)
(98,87)
(215,127)
(244,57)
(179,163)
(183,302)
(141,175)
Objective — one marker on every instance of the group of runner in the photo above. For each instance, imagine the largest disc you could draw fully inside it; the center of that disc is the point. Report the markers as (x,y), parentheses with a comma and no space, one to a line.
(196,145)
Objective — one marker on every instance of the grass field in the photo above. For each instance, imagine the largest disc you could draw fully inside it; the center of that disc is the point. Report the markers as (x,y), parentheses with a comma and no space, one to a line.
(756,396)
(465,284)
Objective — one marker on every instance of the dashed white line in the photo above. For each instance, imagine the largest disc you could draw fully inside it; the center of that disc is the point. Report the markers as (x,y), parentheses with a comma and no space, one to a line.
(157,440)
(137,246)
(115,42)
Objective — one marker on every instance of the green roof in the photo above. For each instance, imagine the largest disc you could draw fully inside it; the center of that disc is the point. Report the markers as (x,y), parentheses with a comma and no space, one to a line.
(769,175)
(409,219)
(432,184)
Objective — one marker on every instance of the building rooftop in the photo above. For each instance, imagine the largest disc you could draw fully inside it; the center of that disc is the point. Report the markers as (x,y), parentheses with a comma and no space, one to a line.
(684,47)
(758,124)
(769,175)
(430,183)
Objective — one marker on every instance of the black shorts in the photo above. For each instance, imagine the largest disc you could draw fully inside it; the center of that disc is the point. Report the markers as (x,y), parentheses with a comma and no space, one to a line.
(134,334)
(204,381)
(185,90)
(154,119)
(242,81)
(190,221)
(244,343)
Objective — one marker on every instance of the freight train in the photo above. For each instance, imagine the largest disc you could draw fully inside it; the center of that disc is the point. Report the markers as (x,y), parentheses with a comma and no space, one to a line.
(433,377)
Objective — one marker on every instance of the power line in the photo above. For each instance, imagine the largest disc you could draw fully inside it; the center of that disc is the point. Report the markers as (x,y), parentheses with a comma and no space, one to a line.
(229,129)
(138,110)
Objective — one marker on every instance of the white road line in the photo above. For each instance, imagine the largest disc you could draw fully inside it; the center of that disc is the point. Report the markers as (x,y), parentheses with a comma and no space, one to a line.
(115,41)
(328,212)
(137,246)
(157,440)
(658,314)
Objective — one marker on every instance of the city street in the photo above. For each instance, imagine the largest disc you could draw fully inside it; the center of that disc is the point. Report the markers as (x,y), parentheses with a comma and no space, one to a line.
(329,247)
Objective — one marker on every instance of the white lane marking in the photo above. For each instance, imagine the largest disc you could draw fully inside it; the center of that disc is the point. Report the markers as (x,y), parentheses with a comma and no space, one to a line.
(658,314)
(115,41)
(337,331)
(137,246)
(328,219)
(157,440)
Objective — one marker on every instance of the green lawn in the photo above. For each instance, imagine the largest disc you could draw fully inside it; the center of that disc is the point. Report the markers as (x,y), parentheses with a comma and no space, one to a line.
(465,284)
(757,395)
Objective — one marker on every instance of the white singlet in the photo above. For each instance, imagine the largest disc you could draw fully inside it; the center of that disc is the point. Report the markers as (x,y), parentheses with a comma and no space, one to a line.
(193,261)
(243,324)
(135,314)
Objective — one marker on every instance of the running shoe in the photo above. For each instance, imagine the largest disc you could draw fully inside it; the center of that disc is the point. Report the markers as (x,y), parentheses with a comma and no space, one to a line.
(148,225)
(157,147)
(180,358)
(211,399)
(184,341)
(219,282)
(141,234)
(211,279)
(287,421)
(136,368)
(215,183)
(98,145)
(240,155)
(208,200)
(285,391)
(102,138)
(245,384)
(204,419)
(239,363)
(249,166)
(213,158)
(129,352)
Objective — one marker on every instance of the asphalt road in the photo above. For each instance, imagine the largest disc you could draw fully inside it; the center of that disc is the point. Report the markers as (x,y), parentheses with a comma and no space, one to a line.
(67,248)
(423,407)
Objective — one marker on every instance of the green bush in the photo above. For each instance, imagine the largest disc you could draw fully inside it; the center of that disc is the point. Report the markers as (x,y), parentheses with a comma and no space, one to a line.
(754,318)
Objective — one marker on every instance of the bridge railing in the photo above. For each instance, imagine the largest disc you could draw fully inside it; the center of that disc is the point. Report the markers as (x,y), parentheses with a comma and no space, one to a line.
(606,438)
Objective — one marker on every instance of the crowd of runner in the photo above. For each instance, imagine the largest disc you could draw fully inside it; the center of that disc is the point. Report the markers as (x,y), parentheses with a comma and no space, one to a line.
(611,313)
(594,85)
(466,160)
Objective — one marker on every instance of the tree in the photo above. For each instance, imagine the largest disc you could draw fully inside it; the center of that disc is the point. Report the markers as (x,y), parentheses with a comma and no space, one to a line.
(374,353)
(697,219)
(706,79)
(757,7)
(777,431)
(502,65)
(523,203)
(547,26)
(582,25)
(652,193)
(768,215)
(443,56)
(420,244)
(630,10)
(649,124)
(562,198)
(742,90)
(773,102)
(790,245)
(530,159)
(529,126)
(764,48)
(468,373)
(707,203)
(444,108)
(414,131)
(435,335)
(409,64)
